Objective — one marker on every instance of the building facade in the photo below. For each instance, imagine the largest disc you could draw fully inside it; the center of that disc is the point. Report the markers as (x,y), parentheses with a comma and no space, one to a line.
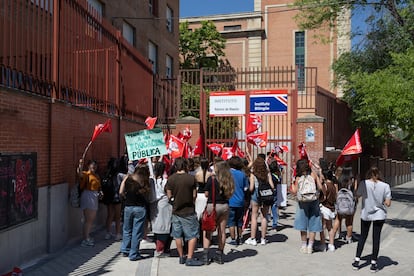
(269,37)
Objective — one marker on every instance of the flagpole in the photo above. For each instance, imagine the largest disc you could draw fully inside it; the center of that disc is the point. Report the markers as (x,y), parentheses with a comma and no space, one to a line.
(86,150)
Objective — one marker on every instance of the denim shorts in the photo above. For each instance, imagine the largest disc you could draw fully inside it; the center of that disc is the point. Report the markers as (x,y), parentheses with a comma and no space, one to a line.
(308,217)
(185,226)
(235,217)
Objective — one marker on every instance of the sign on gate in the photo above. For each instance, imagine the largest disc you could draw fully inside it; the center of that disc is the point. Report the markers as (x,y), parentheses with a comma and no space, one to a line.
(145,143)
(269,102)
(231,103)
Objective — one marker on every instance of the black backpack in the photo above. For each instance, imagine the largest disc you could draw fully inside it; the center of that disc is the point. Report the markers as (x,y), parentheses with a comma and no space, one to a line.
(265,193)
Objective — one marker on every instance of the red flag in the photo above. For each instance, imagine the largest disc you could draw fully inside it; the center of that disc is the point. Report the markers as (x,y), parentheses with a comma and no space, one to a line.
(281,149)
(235,146)
(175,147)
(240,153)
(199,146)
(187,133)
(180,136)
(150,122)
(216,148)
(351,150)
(106,127)
(254,122)
(188,150)
(227,153)
(259,139)
(302,151)
(280,161)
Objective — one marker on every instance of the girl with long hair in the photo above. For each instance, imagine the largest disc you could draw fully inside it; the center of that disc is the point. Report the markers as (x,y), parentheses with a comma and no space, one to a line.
(260,173)
(223,185)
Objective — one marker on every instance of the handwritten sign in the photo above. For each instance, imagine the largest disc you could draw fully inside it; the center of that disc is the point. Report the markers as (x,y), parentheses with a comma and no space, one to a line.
(18,188)
(145,143)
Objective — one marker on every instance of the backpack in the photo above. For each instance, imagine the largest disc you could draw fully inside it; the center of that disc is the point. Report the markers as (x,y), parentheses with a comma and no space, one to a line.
(307,189)
(345,202)
(265,193)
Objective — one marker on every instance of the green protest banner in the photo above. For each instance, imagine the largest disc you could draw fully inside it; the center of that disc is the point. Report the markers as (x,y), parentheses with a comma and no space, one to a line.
(145,143)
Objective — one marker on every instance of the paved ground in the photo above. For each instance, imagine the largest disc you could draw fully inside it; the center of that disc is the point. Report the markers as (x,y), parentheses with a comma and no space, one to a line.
(280,256)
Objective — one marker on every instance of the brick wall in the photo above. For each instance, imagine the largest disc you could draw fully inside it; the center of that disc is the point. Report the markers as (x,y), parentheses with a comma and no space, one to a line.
(59,133)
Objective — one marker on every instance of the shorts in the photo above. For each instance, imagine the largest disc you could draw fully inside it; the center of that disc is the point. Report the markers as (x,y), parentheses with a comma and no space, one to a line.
(326,213)
(308,217)
(185,226)
(89,200)
(222,211)
(235,217)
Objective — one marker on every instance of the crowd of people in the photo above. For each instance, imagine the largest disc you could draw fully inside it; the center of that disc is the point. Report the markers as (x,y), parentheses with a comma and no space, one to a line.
(171,200)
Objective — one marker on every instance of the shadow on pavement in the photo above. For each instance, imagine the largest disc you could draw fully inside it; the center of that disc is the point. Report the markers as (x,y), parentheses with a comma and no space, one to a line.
(404,195)
(235,254)
(382,262)
(402,223)
(277,238)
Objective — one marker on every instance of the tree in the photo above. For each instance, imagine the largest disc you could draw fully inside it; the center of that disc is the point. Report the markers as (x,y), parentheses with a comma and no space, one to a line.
(202,47)
(376,75)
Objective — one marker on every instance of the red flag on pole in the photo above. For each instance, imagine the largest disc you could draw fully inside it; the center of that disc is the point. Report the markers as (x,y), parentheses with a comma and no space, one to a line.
(216,148)
(254,122)
(175,147)
(259,139)
(351,150)
(227,153)
(302,151)
(150,122)
(235,148)
(106,127)
(280,161)
(187,133)
(199,146)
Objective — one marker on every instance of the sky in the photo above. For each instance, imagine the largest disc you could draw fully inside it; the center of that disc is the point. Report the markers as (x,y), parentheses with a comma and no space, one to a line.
(211,7)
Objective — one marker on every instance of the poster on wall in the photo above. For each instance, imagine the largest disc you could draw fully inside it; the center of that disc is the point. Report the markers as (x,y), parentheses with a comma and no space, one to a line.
(18,188)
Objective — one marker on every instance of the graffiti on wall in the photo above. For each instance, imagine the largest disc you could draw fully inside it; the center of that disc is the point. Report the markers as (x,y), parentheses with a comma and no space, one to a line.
(18,188)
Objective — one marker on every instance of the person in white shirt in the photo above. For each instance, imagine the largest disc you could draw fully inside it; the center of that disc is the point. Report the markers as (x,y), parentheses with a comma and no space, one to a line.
(376,197)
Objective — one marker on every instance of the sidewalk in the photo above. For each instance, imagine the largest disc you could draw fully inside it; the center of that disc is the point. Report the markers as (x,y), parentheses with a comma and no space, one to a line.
(281,255)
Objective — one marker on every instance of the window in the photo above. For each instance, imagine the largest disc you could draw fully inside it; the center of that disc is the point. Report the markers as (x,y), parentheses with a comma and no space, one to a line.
(153,7)
(128,32)
(97,6)
(168,66)
(94,17)
(170,19)
(300,58)
(153,56)
(232,28)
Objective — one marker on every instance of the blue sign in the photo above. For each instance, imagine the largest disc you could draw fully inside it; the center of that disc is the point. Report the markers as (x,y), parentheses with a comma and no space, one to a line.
(269,104)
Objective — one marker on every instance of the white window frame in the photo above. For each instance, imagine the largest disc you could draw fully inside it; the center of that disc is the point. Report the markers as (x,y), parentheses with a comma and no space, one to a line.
(153,56)
(128,32)
(169,63)
(170,19)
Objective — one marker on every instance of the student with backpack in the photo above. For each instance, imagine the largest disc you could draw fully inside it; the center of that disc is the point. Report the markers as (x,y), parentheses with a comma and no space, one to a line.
(261,187)
(307,219)
(345,203)
(277,179)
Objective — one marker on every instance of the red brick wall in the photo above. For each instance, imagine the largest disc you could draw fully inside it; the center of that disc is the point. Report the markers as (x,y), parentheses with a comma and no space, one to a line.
(24,124)
(314,149)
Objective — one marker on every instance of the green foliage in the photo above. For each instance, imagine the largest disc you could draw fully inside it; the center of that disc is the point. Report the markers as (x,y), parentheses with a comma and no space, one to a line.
(202,47)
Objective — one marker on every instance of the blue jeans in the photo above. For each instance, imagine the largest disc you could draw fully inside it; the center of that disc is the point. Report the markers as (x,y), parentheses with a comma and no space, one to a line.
(133,230)
(275,212)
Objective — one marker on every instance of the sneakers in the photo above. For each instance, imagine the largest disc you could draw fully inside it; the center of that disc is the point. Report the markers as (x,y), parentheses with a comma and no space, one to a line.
(182,260)
(193,262)
(309,250)
(263,241)
(87,243)
(118,237)
(160,254)
(331,247)
(303,250)
(251,241)
(374,267)
(108,236)
(233,242)
(348,240)
(355,265)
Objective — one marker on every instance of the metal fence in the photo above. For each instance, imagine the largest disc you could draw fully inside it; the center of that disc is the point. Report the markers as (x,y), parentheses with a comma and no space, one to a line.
(64,49)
